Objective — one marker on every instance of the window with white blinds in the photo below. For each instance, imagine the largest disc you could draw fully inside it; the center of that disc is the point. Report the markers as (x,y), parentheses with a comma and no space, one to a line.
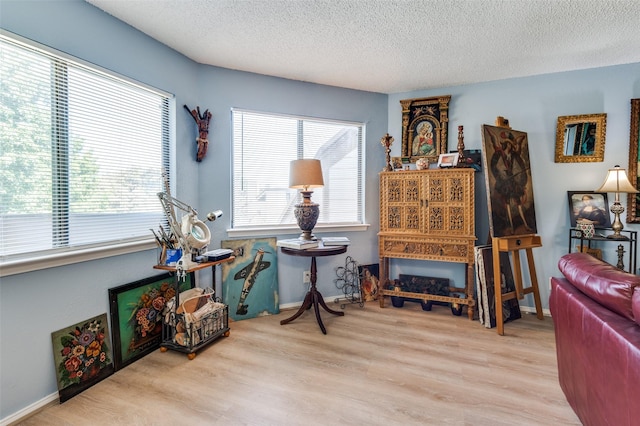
(82,153)
(264,145)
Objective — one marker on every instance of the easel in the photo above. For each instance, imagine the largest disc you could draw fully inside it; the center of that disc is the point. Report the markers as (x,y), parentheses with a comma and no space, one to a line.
(513,245)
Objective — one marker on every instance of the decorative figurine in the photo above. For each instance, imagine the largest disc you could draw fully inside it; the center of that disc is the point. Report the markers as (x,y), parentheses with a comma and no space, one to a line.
(202,120)
(387,141)
(620,264)
(422,163)
(461,160)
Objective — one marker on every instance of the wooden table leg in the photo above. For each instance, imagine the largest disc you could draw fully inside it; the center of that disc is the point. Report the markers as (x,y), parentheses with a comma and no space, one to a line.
(315,299)
(306,304)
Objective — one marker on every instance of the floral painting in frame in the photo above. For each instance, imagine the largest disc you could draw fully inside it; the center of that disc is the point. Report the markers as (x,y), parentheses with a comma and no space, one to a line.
(136,315)
(82,356)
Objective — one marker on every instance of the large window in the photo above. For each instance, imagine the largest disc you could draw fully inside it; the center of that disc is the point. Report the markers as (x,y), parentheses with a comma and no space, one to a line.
(82,154)
(263,147)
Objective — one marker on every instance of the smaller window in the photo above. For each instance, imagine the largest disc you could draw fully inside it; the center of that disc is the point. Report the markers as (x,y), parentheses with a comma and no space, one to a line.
(264,145)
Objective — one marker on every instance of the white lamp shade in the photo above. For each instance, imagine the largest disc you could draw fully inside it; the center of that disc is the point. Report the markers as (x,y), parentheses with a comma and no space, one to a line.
(305,174)
(617,181)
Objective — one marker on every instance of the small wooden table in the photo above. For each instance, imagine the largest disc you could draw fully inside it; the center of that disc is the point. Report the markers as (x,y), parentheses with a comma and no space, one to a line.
(313,297)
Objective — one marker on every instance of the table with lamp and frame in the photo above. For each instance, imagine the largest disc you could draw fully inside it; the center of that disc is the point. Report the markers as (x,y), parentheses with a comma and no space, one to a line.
(305,174)
(617,183)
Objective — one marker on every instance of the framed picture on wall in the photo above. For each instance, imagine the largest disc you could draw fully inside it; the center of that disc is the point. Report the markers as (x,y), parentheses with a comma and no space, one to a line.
(425,123)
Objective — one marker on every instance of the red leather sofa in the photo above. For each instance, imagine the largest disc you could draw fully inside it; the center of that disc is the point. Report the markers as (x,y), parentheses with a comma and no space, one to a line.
(596,314)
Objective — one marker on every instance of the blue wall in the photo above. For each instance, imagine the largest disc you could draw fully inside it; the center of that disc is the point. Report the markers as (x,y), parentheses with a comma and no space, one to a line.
(32,305)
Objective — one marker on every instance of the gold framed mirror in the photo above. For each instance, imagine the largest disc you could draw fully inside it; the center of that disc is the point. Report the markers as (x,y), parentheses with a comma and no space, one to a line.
(633,200)
(580,138)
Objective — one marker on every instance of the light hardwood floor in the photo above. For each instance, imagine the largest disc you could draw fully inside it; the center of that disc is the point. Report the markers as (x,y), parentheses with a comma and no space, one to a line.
(391,366)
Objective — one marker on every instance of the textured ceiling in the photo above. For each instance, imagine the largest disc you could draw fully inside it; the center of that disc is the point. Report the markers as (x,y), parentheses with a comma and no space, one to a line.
(392,46)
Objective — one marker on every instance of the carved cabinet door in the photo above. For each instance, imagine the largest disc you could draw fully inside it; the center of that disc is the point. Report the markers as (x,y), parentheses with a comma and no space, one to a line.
(448,202)
(401,201)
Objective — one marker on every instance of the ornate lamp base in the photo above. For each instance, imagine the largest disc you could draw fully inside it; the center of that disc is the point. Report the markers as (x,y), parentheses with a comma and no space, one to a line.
(617,226)
(307,214)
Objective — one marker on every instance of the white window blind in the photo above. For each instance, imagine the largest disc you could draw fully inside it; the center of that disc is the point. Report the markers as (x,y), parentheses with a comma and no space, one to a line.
(264,145)
(82,153)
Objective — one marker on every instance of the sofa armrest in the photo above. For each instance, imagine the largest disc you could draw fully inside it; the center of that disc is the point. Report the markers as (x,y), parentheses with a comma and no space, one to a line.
(603,283)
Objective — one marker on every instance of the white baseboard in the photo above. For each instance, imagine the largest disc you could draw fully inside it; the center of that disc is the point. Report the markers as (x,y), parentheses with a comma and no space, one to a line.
(29,410)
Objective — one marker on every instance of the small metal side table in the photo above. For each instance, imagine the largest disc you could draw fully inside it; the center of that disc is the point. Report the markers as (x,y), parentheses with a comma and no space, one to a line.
(600,237)
(313,297)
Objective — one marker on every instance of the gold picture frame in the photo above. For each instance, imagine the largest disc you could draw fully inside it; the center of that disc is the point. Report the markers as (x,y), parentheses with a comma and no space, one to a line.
(425,123)
(580,138)
(633,200)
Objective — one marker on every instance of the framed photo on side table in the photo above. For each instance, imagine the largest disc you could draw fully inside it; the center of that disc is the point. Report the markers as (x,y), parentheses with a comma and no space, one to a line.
(589,205)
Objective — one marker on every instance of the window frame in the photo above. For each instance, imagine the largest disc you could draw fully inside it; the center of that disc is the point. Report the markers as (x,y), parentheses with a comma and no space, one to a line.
(282,229)
(24,262)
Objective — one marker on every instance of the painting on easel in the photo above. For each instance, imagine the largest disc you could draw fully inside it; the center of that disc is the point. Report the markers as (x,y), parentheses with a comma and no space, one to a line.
(508,179)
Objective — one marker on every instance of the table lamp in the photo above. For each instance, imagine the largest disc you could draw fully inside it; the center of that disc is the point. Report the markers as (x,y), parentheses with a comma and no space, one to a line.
(305,174)
(617,182)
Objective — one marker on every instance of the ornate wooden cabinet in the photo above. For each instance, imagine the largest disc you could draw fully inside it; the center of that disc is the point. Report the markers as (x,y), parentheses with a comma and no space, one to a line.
(428,215)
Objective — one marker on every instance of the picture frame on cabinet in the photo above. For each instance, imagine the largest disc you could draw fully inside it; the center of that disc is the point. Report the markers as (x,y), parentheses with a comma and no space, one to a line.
(472,159)
(448,160)
(396,162)
(425,127)
(633,200)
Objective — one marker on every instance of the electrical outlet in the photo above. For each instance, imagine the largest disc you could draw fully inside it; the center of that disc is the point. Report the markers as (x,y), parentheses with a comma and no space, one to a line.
(306,277)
